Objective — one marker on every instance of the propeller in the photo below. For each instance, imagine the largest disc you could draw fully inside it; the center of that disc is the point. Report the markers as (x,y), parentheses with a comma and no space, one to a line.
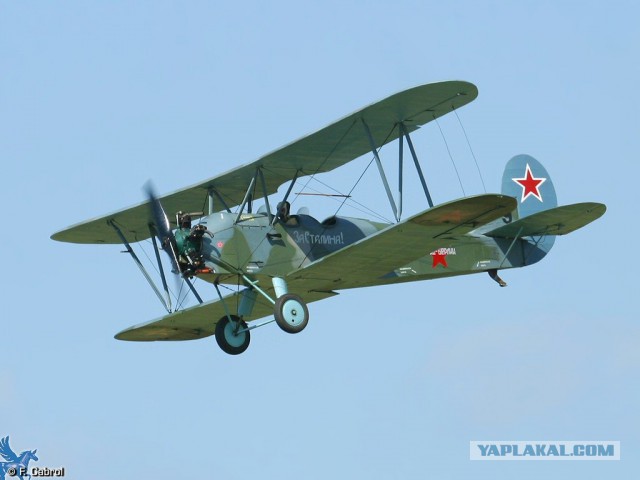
(167,239)
(163,228)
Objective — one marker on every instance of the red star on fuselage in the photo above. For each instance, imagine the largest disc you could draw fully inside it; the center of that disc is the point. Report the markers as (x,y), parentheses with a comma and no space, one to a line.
(530,185)
(439,259)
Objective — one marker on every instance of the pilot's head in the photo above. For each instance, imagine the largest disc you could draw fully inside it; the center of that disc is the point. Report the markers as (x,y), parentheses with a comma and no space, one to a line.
(283,210)
(185,221)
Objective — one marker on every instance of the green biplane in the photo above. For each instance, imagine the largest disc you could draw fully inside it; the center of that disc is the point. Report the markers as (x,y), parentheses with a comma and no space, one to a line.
(285,261)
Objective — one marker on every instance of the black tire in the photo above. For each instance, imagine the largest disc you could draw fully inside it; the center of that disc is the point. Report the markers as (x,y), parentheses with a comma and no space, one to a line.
(227,341)
(291,313)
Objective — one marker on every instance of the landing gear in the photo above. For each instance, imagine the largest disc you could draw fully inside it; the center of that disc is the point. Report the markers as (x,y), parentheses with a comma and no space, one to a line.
(291,313)
(232,335)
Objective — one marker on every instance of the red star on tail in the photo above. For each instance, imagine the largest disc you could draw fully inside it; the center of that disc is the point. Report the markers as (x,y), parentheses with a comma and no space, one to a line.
(530,185)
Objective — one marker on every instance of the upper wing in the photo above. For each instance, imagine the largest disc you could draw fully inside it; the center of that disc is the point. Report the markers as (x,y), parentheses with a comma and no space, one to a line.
(5,450)
(200,321)
(555,221)
(322,151)
(376,255)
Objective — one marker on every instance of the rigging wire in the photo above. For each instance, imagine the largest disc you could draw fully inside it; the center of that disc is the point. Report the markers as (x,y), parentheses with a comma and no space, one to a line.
(176,296)
(351,199)
(470,149)
(367,210)
(149,258)
(312,177)
(348,196)
(326,158)
(153,265)
(180,302)
(450,156)
(350,191)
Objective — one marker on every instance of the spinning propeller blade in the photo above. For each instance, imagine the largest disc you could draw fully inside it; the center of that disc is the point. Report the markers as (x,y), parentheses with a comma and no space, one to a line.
(163,228)
(167,239)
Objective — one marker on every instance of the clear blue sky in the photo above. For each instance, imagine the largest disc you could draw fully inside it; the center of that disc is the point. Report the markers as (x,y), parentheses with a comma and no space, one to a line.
(393,382)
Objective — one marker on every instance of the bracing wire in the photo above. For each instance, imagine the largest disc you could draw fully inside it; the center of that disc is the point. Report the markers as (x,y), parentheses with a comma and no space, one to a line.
(181,301)
(347,197)
(326,159)
(470,149)
(363,209)
(446,144)
(148,257)
(350,191)
(153,265)
(177,297)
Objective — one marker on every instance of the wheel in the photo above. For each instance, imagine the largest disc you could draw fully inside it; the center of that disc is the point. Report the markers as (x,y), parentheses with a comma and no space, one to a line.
(228,340)
(291,313)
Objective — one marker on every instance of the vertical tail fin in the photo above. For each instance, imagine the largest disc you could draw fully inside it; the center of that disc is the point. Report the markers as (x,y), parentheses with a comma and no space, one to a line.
(526,180)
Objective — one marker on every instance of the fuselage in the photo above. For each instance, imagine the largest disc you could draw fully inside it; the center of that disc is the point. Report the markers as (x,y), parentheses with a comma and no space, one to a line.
(253,246)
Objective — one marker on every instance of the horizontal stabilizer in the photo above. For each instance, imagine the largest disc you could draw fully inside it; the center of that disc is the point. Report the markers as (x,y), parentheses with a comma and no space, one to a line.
(556,221)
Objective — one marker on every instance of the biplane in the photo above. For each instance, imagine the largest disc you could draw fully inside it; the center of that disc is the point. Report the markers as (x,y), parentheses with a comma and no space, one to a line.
(285,261)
